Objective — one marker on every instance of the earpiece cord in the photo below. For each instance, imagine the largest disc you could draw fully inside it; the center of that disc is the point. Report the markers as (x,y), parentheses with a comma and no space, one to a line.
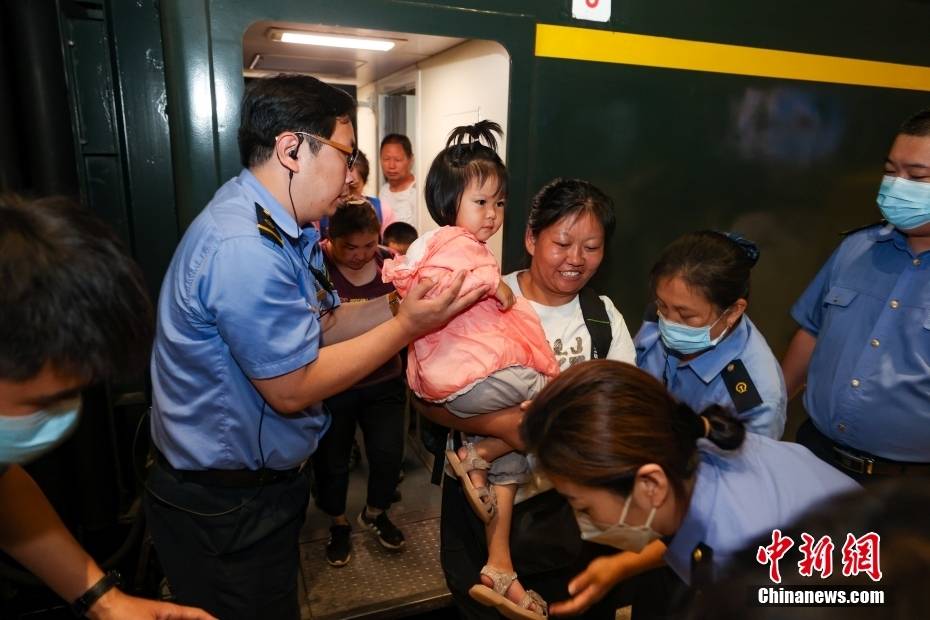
(142,479)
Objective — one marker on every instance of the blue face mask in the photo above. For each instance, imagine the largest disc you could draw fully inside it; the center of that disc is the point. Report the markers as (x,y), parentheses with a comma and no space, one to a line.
(904,203)
(686,339)
(27,437)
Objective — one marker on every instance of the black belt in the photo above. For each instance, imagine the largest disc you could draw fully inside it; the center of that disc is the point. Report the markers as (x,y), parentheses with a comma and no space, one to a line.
(228,478)
(871,465)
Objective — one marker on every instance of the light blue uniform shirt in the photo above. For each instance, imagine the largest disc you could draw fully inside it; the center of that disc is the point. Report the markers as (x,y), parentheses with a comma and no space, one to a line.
(236,306)
(741,495)
(699,381)
(868,382)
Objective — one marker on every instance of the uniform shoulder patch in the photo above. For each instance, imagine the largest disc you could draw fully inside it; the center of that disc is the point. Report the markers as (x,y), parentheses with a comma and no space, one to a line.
(742,390)
(266,225)
(702,566)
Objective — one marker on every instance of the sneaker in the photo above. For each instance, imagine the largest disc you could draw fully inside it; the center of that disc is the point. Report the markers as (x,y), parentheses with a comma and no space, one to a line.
(388,535)
(339,547)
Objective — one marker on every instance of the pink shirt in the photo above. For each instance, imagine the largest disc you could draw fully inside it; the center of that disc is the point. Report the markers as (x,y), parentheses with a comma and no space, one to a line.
(479,341)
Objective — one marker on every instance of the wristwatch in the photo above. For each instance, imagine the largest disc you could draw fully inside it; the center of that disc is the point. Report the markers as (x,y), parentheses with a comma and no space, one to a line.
(84,602)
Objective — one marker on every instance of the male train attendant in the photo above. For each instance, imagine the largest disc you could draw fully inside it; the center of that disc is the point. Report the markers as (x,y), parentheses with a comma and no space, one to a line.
(239,365)
(864,340)
(75,312)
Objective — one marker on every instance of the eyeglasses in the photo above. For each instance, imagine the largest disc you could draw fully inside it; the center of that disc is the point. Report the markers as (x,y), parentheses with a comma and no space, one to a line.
(351,152)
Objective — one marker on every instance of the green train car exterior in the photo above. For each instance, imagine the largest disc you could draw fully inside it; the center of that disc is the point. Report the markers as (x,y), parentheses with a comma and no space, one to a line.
(772,119)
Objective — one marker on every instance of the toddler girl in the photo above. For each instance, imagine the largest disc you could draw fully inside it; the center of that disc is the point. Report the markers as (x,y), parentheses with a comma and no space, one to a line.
(490,357)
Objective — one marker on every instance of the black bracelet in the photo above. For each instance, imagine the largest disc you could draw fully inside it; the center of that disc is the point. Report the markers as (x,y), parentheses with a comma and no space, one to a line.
(84,602)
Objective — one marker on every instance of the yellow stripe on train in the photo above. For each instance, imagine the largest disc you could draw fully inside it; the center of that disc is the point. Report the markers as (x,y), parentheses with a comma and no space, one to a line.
(650,51)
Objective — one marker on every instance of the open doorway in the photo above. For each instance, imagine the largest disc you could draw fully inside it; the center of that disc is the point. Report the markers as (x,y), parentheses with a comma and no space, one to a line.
(421,87)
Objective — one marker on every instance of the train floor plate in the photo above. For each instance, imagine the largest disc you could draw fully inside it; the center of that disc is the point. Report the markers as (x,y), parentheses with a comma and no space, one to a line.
(378,583)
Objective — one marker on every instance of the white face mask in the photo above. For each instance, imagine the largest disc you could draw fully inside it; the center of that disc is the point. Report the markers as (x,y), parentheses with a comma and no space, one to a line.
(620,536)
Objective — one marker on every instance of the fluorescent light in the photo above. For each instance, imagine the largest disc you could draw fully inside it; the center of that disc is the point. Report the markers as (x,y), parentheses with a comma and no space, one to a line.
(329,40)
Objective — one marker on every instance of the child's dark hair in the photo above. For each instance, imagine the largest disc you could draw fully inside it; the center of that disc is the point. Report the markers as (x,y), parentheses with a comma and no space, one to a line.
(353,217)
(400,232)
(465,159)
(597,423)
(715,264)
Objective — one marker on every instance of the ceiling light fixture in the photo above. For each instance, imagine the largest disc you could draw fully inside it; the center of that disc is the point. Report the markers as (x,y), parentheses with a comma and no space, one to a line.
(330,40)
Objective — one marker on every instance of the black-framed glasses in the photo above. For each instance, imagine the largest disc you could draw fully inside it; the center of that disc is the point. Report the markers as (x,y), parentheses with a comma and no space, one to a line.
(351,152)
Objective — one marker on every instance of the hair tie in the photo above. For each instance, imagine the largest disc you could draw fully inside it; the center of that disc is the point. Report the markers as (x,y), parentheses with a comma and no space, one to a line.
(706,422)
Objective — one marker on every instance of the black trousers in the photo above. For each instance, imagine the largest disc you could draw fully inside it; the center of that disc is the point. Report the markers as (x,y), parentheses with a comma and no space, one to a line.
(242,564)
(379,410)
(555,554)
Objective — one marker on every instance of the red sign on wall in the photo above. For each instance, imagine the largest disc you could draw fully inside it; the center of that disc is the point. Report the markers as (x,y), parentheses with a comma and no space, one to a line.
(591,10)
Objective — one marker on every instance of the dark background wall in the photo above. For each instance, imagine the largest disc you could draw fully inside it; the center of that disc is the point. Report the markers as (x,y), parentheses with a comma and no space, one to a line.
(134,106)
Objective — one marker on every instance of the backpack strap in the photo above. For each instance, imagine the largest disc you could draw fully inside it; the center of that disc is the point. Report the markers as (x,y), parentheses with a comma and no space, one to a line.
(597,322)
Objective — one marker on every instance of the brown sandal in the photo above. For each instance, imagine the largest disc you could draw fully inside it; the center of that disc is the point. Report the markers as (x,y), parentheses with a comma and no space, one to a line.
(497,596)
(481,499)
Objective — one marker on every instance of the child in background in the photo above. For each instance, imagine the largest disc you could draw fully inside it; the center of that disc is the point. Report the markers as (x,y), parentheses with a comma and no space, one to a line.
(398,236)
(490,357)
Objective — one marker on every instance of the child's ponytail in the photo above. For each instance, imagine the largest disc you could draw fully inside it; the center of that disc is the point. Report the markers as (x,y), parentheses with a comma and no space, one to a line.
(468,135)
(470,155)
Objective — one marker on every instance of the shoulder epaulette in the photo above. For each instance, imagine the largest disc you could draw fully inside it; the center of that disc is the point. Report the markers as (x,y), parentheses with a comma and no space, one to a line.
(266,225)
(742,390)
(846,233)
(702,566)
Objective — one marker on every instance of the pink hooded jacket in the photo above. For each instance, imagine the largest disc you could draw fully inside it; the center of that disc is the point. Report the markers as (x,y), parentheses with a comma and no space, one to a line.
(479,341)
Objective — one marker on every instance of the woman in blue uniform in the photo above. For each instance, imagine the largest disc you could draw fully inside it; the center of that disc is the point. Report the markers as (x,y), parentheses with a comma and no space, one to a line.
(637,465)
(701,343)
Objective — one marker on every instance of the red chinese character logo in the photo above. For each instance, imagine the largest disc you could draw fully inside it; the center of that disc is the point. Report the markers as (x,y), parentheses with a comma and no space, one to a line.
(773,553)
(817,557)
(860,555)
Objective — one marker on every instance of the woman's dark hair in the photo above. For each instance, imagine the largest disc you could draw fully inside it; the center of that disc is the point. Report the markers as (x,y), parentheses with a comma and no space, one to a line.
(361,165)
(465,159)
(715,264)
(568,197)
(353,217)
(598,422)
(282,103)
(398,138)
(70,296)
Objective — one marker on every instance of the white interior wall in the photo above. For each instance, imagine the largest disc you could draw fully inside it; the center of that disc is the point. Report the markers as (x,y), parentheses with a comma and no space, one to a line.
(366,134)
(465,84)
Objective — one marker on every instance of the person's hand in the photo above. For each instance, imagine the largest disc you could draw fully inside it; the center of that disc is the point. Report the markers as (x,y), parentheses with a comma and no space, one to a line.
(591,585)
(118,606)
(420,315)
(504,297)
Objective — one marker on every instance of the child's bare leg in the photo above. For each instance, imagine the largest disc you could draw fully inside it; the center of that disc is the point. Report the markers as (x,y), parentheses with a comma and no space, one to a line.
(498,535)
(489,449)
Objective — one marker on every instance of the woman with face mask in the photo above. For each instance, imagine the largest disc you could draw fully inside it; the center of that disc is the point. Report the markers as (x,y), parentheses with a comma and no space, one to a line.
(636,465)
(698,339)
